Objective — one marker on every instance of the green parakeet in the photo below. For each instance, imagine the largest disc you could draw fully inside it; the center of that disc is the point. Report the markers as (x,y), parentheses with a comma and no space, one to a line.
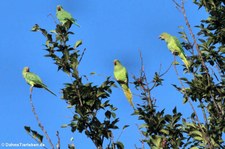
(121,76)
(63,16)
(175,47)
(34,80)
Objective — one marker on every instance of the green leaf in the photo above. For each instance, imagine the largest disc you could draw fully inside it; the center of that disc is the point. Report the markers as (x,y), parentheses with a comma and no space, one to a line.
(125,126)
(119,145)
(92,73)
(90,102)
(144,126)
(34,134)
(156,140)
(64,125)
(194,148)
(71,146)
(77,44)
(113,114)
(196,132)
(70,106)
(27,128)
(198,138)
(35,28)
(108,114)
(72,139)
(222,49)
(175,110)
(175,63)
(166,132)
(185,100)
(100,94)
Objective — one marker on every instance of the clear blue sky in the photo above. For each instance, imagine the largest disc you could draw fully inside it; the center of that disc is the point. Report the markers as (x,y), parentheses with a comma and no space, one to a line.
(109,29)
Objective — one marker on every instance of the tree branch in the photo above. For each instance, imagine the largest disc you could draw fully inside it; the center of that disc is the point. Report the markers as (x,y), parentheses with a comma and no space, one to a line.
(58,138)
(39,122)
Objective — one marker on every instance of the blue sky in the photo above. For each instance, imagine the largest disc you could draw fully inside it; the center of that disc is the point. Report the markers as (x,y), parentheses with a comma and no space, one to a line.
(109,30)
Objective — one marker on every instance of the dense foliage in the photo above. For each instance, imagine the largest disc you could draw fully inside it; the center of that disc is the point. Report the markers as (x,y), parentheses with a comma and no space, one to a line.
(205,88)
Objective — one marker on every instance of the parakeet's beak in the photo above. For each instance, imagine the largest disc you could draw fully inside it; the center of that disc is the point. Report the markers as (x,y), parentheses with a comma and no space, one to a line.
(114,62)
(26,69)
(59,8)
(160,37)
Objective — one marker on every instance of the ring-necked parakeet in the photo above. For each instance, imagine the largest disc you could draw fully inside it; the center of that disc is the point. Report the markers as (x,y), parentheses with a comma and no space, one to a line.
(34,80)
(63,16)
(121,76)
(175,47)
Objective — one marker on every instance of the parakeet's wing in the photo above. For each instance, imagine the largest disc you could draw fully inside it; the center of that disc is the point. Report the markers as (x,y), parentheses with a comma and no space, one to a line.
(178,44)
(175,47)
(34,80)
(121,75)
(180,50)
(60,16)
(63,16)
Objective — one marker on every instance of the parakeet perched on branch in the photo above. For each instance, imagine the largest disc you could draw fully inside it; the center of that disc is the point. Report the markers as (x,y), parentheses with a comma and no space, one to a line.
(63,16)
(175,47)
(34,80)
(121,76)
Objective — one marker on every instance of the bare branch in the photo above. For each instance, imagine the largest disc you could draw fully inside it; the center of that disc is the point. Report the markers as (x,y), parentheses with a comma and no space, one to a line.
(58,138)
(52,18)
(182,8)
(81,56)
(145,87)
(39,122)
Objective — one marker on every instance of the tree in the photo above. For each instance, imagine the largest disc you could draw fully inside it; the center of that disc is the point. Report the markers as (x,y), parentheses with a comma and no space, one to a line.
(205,88)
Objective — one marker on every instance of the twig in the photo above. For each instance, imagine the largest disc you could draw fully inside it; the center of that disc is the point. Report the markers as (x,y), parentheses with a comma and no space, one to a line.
(204,113)
(81,56)
(189,42)
(183,11)
(193,37)
(147,90)
(52,18)
(58,138)
(142,142)
(111,142)
(79,97)
(165,71)
(160,75)
(39,122)
(145,86)
(219,110)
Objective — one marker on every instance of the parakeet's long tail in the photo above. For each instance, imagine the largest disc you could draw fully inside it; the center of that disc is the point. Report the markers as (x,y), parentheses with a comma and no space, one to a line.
(186,62)
(49,91)
(128,95)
